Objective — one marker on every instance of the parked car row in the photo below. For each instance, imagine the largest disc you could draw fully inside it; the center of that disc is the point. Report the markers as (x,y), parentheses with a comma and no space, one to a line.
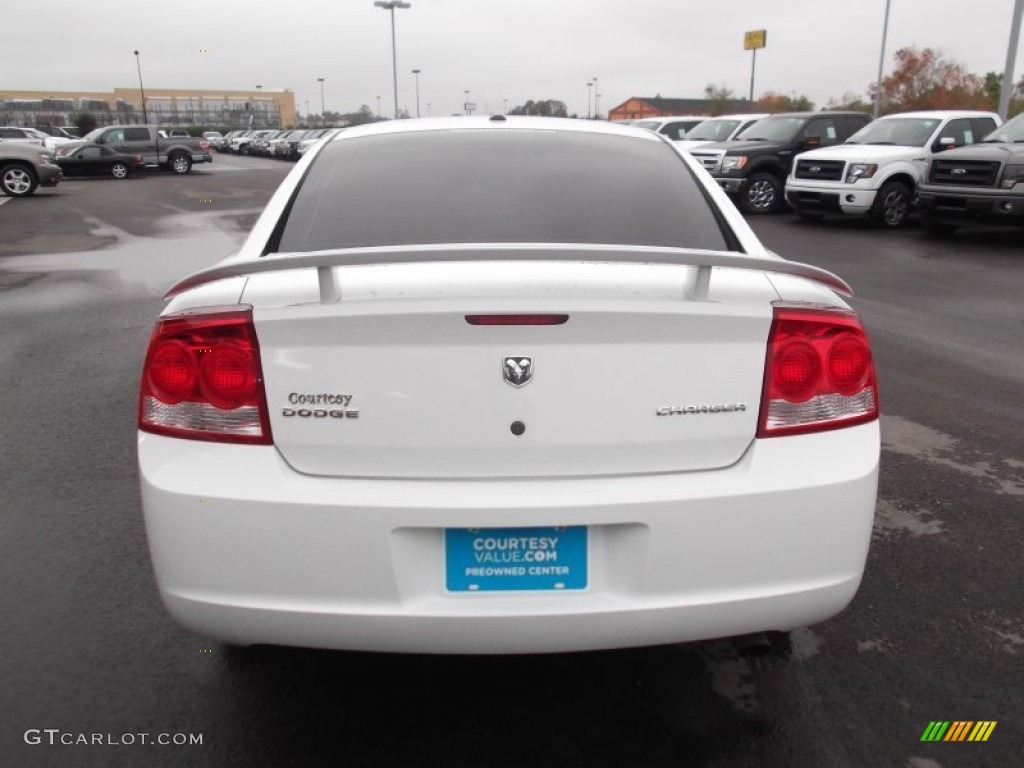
(844,163)
(281,145)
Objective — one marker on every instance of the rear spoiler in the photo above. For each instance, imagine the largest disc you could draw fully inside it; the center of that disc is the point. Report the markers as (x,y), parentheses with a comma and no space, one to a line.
(330,289)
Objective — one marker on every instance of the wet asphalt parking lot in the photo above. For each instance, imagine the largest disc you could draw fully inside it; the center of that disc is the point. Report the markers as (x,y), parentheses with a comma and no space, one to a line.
(935,633)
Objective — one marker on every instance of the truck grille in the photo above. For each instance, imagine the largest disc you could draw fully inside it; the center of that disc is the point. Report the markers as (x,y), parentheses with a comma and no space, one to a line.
(712,161)
(820,170)
(964,173)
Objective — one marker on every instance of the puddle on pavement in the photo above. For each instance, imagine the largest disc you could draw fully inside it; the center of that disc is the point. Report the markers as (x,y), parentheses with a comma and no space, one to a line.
(890,519)
(184,244)
(911,439)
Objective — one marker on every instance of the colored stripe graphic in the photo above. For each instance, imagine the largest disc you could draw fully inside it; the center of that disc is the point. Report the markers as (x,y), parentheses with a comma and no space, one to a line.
(982,730)
(935,730)
(958,730)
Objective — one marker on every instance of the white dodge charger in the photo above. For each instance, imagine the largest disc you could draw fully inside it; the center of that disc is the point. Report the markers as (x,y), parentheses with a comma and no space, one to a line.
(505,385)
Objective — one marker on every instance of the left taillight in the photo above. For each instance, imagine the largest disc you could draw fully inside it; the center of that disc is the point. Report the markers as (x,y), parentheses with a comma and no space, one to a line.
(203,379)
(819,373)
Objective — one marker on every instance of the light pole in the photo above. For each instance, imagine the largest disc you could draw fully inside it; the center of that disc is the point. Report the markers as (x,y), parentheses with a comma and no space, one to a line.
(323,116)
(378,107)
(504,106)
(597,100)
(428,109)
(417,73)
(590,87)
(390,5)
(307,110)
(465,104)
(881,62)
(145,117)
(1011,54)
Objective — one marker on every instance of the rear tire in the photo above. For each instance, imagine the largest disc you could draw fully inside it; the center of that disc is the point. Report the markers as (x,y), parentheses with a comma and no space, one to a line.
(934,226)
(119,170)
(18,180)
(892,205)
(180,163)
(762,194)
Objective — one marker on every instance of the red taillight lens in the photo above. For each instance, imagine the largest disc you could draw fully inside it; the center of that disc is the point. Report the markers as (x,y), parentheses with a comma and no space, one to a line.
(819,373)
(203,378)
(849,363)
(228,377)
(795,370)
(516,319)
(172,371)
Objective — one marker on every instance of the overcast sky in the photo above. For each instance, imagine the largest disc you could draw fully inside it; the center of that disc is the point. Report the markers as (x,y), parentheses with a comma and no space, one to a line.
(495,49)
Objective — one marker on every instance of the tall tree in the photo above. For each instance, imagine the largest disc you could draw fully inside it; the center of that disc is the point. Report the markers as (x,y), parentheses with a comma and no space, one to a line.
(721,98)
(779,102)
(545,108)
(927,79)
(849,101)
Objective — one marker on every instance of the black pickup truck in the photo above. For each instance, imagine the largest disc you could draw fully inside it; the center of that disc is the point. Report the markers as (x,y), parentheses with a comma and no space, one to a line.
(979,184)
(175,153)
(753,167)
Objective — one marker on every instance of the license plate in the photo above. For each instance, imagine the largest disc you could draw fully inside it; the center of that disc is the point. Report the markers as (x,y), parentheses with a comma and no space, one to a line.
(515,559)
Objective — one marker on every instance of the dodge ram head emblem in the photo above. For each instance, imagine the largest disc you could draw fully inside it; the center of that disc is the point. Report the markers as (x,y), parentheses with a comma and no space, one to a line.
(518,370)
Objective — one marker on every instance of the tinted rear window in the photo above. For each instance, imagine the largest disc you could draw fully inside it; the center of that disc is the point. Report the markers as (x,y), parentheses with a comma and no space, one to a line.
(480,186)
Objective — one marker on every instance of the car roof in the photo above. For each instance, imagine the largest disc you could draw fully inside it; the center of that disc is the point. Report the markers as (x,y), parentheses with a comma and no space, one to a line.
(741,116)
(941,114)
(497,123)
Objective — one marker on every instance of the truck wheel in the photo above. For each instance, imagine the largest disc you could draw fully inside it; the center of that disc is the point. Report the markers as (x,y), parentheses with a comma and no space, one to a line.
(935,227)
(17,180)
(119,170)
(181,163)
(892,204)
(762,194)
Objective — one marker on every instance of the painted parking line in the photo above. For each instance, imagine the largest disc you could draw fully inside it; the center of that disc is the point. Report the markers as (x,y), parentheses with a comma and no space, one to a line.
(5,200)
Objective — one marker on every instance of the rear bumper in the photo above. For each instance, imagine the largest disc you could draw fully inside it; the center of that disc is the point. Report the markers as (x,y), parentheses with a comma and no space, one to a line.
(247,550)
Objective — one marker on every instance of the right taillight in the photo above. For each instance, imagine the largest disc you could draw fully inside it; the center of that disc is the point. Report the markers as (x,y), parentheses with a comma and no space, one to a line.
(203,379)
(819,373)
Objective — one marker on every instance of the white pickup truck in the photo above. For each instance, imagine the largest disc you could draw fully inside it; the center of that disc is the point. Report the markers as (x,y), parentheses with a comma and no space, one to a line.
(876,171)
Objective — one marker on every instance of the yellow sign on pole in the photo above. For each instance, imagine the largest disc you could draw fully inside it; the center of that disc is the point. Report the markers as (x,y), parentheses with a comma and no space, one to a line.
(754,39)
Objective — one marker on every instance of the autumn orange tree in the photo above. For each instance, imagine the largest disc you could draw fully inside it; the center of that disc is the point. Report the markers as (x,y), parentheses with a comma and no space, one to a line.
(778,102)
(927,79)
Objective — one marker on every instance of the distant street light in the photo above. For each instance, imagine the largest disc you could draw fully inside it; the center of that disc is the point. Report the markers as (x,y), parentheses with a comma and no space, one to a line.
(417,73)
(465,104)
(504,106)
(590,87)
(323,109)
(390,5)
(597,101)
(378,107)
(428,109)
(145,117)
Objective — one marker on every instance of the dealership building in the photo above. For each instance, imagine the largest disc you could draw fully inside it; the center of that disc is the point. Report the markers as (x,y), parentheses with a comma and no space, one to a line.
(262,108)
